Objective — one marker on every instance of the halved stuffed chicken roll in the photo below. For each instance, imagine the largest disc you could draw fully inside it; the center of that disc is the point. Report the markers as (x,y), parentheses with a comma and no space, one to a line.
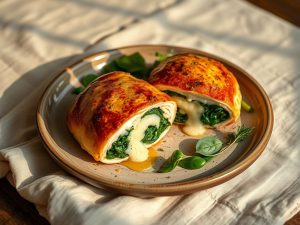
(118,117)
(206,92)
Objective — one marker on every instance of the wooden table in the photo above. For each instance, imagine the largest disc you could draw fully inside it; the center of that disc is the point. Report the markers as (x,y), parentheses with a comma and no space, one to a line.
(14,210)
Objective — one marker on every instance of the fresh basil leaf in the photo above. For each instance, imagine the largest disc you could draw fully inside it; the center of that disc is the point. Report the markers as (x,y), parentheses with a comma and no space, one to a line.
(87,79)
(110,67)
(162,56)
(171,162)
(78,90)
(132,63)
(208,146)
(207,158)
(192,162)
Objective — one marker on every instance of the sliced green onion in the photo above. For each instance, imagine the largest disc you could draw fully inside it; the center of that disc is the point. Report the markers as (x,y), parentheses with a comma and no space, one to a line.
(246,106)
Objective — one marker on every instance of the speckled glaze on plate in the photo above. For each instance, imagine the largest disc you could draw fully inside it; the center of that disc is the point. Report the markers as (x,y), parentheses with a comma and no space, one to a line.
(66,151)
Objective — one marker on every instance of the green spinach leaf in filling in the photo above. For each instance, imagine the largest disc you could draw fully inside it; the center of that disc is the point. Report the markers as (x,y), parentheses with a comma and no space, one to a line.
(152,133)
(119,147)
(213,114)
(180,117)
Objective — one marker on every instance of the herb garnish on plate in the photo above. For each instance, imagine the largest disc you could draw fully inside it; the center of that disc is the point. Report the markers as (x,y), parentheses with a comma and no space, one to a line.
(134,64)
(206,148)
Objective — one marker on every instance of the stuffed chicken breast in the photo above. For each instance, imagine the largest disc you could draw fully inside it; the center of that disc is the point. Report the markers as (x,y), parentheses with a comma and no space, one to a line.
(118,117)
(206,93)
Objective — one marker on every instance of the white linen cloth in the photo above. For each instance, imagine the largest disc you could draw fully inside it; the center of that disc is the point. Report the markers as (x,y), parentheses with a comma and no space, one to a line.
(40,37)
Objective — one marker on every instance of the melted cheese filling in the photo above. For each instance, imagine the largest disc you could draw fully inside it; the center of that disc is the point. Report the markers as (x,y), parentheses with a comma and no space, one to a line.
(193,126)
(137,150)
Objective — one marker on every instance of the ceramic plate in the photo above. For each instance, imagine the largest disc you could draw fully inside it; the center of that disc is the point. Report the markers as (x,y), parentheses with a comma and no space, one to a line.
(51,119)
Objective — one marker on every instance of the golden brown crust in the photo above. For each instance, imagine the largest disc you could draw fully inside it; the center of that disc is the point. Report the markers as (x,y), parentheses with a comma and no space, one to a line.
(197,75)
(105,105)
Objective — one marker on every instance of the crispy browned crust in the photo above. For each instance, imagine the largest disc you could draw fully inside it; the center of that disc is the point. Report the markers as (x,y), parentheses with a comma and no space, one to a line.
(197,75)
(105,105)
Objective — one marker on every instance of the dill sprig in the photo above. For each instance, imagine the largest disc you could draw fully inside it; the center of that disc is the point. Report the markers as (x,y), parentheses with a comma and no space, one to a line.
(241,134)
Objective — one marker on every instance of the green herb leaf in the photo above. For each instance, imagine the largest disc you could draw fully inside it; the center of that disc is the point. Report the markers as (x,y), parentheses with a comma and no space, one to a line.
(208,146)
(86,80)
(110,67)
(162,57)
(171,162)
(192,162)
(152,133)
(241,134)
(78,90)
(207,158)
(134,64)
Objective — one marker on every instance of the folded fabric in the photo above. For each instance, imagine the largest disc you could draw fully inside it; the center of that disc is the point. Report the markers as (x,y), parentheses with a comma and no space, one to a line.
(267,47)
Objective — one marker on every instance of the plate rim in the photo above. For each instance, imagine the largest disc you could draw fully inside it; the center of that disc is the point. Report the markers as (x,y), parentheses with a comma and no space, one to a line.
(184,187)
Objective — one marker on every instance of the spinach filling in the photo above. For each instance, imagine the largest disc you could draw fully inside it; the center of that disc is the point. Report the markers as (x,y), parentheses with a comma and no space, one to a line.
(152,133)
(212,114)
(180,117)
(119,147)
